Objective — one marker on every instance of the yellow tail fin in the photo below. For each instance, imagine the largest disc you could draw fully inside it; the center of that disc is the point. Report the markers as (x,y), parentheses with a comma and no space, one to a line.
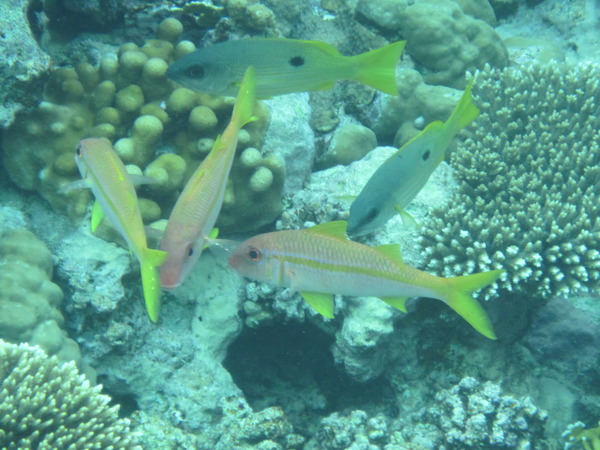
(458,297)
(151,281)
(464,113)
(377,68)
(243,110)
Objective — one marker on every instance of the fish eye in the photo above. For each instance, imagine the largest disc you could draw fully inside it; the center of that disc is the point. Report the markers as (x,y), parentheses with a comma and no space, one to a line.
(371,214)
(190,250)
(195,71)
(426,155)
(253,254)
(78,150)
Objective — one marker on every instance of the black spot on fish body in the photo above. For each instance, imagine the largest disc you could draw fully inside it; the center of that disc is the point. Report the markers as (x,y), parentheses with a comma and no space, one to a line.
(426,155)
(196,71)
(297,61)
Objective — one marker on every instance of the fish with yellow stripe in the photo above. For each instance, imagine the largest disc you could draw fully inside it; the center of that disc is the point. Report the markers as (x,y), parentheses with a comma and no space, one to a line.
(103,171)
(196,210)
(320,261)
(284,66)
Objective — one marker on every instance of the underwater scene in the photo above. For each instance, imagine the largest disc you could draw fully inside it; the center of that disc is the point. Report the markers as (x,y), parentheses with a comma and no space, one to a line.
(300,224)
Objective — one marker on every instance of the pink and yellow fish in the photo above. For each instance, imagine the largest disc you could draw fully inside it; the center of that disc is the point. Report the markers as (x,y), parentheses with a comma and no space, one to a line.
(198,206)
(320,261)
(105,174)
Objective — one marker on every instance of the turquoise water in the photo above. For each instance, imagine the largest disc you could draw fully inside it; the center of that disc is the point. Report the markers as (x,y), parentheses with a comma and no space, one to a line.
(235,362)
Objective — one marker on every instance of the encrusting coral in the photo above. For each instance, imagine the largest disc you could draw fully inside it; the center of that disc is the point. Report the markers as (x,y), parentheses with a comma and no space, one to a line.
(529,184)
(29,301)
(46,404)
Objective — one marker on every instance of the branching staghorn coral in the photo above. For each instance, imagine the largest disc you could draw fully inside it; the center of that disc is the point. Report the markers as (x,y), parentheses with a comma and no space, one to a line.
(47,404)
(529,184)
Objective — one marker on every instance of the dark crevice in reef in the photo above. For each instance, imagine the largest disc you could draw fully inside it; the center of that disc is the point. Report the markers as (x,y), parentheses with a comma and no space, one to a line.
(291,366)
(126,401)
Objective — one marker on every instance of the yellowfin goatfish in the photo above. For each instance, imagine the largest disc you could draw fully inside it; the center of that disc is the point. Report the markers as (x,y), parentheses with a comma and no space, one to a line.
(198,206)
(321,261)
(115,195)
(283,66)
(400,178)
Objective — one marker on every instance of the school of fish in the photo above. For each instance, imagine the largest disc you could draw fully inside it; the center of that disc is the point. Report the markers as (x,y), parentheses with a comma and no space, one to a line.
(317,262)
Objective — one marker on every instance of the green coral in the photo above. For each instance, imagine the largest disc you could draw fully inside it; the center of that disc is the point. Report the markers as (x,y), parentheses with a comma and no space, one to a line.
(45,404)
(589,438)
(528,198)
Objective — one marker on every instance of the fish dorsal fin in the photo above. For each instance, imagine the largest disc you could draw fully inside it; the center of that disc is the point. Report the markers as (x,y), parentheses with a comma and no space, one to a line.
(97,215)
(396,302)
(432,126)
(335,229)
(391,251)
(325,47)
(321,303)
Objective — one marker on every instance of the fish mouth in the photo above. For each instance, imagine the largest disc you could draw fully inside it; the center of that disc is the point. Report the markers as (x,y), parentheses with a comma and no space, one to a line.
(169,282)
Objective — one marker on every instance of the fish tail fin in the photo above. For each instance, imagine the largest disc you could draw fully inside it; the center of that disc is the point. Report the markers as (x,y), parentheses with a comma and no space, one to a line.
(458,297)
(243,110)
(377,68)
(464,113)
(151,281)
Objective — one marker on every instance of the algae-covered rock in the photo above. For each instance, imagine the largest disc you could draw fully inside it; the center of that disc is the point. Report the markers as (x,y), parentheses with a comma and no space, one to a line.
(23,64)
(350,143)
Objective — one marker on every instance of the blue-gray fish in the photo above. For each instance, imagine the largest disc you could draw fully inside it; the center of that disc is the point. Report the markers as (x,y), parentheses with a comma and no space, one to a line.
(283,66)
(400,178)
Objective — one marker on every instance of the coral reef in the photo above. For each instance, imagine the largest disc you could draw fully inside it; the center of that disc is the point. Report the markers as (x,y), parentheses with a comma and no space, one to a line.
(445,38)
(468,415)
(46,404)
(23,65)
(128,99)
(529,185)
(476,415)
(29,301)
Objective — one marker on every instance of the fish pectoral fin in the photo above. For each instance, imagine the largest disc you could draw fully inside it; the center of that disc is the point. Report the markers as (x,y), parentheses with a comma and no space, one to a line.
(97,215)
(321,303)
(391,251)
(325,86)
(407,219)
(345,198)
(206,241)
(335,229)
(396,302)
(138,180)
(73,185)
